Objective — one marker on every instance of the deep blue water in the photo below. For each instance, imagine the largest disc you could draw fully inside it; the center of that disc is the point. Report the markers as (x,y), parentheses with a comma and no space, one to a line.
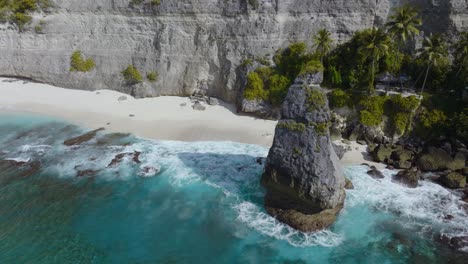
(205,206)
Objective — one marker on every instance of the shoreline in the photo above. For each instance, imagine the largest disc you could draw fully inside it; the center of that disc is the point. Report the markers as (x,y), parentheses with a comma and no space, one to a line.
(160,118)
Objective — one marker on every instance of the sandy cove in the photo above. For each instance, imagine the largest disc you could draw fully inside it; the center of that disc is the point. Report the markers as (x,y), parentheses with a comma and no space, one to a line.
(163,118)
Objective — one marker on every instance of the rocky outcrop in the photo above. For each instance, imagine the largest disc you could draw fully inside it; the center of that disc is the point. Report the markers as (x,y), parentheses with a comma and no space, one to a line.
(303,177)
(453,180)
(190,43)
(409,177)
(82,138)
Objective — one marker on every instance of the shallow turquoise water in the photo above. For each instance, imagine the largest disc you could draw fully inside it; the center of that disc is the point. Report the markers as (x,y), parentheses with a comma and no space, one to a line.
(205,206)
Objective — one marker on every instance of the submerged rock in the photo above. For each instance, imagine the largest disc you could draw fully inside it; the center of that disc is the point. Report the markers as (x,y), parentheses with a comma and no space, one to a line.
(82,138)
(303,176)
(26,168)
(149,171)
(119,158)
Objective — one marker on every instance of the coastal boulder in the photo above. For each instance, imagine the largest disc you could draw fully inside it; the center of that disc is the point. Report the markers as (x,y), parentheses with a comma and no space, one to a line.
(434,159)
(303,177)
(408,178)
(381,153)
(454,180)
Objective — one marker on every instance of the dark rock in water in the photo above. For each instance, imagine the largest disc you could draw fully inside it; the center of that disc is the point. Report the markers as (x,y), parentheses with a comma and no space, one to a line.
(348,184)
(459,242)
(303,177)
(375,173)
(409,177)
(88,172)
(149,171)
(260,161)
(365,164)
(26,168)
(434,159)
(83,138)
(390,167)
(453,180)
(448,217)
(119,158)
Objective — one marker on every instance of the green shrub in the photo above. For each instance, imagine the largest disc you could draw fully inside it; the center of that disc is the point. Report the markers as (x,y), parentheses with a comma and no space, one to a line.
(292,126)
(401,122)
(131,75)
(152,76)
(373,110)
(254,3)
(311,67)
(17,11)
(400,111)
(338,98)
(77,63)
(315,99)
(322,128)
(246,62)
(431,123)
(265,73)
(255,88)
(461,125)
(155,2)
(21,19)
(278,86)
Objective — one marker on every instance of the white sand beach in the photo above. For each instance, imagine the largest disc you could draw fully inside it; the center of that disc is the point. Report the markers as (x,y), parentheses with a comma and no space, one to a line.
(164,118)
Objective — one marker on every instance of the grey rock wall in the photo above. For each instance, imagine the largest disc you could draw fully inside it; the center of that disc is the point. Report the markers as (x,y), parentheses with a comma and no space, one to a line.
(190,43)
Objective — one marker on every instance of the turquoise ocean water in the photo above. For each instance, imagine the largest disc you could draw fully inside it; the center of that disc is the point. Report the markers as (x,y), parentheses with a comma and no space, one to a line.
(205,206)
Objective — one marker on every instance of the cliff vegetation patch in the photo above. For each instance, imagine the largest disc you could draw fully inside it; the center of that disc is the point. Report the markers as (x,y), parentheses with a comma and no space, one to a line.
(19,12)
(78,64)
(131,75)
(152,76)
(271,83)
(292,126)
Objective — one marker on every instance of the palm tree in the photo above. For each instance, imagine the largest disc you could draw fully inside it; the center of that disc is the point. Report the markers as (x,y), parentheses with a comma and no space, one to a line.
(461,52)
(375,44)
(434,49)
(403,26)
(322,43)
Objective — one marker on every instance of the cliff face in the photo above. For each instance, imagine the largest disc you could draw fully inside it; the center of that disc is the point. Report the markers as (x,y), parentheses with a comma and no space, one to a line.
(303,175)
(190,43)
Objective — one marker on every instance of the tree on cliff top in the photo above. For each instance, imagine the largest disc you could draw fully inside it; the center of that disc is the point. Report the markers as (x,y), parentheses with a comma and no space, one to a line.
(322,43)
(433,51)
(375,44)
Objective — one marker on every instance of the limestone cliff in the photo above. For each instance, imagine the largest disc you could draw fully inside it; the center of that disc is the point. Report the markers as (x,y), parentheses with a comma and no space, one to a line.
(190,43)
(303,175)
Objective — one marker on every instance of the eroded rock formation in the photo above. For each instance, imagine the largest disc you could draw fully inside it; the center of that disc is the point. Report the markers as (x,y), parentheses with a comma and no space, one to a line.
(303,176)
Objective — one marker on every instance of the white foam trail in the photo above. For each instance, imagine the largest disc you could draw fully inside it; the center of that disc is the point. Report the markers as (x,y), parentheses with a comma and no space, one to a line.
(426,206)
(251,215)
